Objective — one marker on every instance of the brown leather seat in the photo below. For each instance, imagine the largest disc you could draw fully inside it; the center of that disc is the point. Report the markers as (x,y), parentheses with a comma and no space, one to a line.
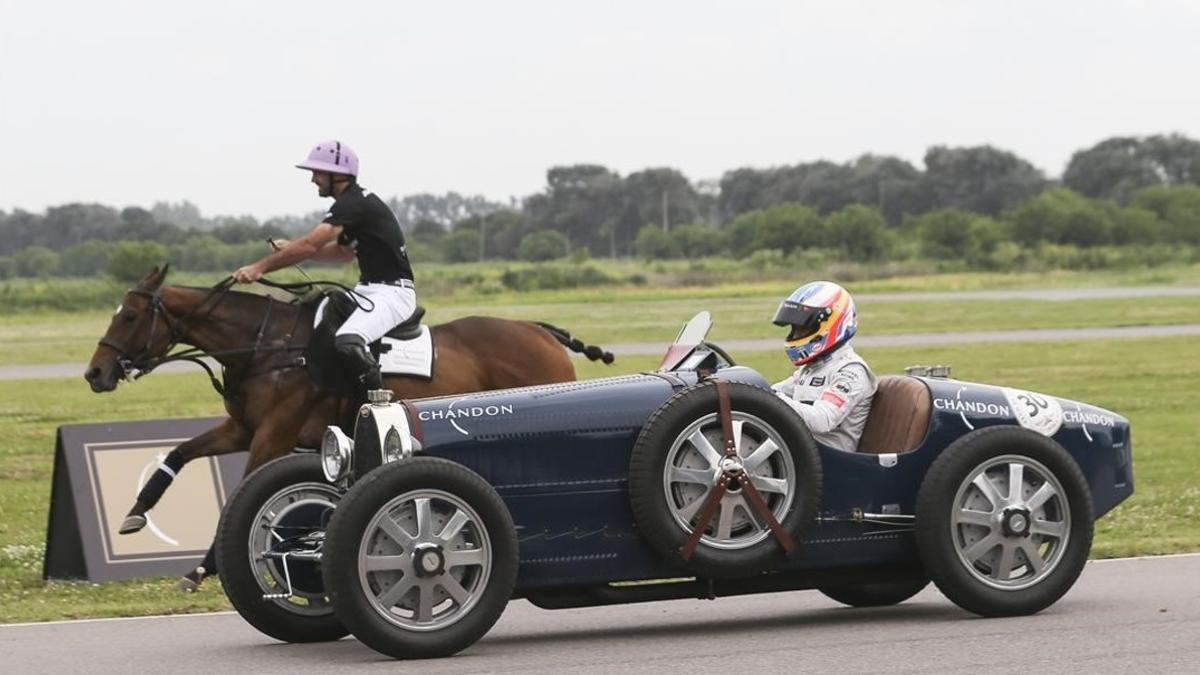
(899,416)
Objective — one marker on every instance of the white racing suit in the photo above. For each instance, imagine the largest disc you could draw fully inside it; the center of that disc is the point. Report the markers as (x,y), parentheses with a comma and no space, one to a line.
(833,396)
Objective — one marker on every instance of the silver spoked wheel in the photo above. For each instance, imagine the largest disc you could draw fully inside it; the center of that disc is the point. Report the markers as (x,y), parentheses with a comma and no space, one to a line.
(1010,522)
(424,560)
(295,511)
(695,463)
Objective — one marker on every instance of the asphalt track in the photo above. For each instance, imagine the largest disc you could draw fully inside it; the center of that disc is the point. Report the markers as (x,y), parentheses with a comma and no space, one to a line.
(1123,616)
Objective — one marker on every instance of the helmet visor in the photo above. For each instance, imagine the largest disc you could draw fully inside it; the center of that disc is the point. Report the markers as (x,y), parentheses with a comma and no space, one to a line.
(804,320)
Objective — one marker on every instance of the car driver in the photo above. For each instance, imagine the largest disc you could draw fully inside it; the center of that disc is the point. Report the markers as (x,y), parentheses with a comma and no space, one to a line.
(833,386)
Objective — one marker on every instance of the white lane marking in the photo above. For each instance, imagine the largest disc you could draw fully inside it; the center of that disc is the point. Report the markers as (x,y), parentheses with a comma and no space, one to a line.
(1145,557)
(114,618)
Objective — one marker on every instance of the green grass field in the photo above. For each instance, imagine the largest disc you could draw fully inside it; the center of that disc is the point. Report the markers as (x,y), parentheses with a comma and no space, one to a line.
(1161,399)
(70,337)
(704,278)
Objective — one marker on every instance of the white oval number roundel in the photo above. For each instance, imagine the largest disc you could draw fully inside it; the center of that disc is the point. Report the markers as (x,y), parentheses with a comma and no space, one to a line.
(1038,412)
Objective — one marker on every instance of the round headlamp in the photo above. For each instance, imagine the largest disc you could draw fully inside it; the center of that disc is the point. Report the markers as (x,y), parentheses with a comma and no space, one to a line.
(336,448)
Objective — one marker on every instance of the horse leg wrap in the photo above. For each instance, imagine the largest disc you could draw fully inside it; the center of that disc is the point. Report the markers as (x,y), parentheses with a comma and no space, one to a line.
(209,564)
(161,480)
(190,582)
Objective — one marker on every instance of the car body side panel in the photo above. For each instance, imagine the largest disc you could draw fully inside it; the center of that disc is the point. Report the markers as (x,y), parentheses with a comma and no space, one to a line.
(559,457)
(1098,439)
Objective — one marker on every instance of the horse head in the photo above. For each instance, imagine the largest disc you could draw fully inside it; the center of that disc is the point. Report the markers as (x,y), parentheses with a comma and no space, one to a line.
(140,330)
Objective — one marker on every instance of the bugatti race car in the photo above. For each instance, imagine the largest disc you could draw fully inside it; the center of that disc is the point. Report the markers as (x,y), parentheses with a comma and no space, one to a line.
(693,481)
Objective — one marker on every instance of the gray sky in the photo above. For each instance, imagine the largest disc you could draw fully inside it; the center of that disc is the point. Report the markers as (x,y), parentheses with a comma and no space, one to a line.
(132,102)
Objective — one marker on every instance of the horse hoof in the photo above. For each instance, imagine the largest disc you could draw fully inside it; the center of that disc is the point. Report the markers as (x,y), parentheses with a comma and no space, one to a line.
(190,582)
(132,524)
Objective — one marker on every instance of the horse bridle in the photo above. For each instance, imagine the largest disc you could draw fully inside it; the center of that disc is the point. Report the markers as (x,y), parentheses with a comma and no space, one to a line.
(128,363)
(143,363)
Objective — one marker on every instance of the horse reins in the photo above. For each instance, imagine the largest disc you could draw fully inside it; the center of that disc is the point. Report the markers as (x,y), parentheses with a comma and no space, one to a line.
(144,364)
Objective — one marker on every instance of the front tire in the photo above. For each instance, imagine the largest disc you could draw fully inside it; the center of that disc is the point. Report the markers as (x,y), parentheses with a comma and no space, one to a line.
(284,499)
(422,558)
(1004,521)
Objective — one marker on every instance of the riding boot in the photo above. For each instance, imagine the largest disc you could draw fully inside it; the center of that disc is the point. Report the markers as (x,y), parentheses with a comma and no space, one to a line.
(365,371)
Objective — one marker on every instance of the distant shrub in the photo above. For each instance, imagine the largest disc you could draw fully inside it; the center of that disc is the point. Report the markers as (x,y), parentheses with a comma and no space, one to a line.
(85,259)
(131,260)
(580,255)
(766,258)
(58,294)
(461,245)
(654,244)
(543,245)
(698,241)
(859,232)
(1062,217)
(550,277)
(36,261)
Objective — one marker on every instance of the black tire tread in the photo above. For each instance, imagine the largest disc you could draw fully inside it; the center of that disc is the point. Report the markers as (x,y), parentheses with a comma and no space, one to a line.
(648,503)
(932,521)
(237,579)
(875,594)
(361,503)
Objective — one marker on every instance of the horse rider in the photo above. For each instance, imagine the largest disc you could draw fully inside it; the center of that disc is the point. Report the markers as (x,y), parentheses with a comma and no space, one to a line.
(833,386)
(358,225)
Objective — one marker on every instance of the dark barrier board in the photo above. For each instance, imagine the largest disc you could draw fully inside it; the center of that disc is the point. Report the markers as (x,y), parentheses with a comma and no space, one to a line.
(98,471)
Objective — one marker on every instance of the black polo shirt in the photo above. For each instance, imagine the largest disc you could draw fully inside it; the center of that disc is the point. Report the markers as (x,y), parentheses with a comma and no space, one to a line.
(371,229)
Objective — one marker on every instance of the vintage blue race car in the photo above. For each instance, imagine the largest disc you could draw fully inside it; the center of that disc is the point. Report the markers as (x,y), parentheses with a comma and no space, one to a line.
(693,481)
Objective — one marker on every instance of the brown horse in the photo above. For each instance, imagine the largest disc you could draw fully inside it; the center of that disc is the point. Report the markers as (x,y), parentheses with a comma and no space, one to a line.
(273,404)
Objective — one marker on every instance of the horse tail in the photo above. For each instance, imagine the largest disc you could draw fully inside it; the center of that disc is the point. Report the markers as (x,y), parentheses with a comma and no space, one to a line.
(593,352)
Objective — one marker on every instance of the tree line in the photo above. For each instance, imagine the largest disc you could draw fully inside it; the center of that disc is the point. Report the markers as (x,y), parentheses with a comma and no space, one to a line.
(974,203)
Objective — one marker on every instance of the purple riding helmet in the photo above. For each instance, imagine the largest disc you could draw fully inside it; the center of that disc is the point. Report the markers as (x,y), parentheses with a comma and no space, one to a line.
(331,156)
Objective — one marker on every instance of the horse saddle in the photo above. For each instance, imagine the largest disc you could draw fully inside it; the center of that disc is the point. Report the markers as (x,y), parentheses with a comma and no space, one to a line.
(406,350)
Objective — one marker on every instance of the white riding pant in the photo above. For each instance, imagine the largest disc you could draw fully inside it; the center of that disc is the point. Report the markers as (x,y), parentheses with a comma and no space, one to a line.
(392,305)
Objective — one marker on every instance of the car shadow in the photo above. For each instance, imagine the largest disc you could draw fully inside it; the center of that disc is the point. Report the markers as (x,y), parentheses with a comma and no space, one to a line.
(350,651)
(712,623)
(706,621)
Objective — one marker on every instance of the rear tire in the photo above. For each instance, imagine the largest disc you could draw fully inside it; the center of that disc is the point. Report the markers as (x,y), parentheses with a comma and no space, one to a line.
(880,594)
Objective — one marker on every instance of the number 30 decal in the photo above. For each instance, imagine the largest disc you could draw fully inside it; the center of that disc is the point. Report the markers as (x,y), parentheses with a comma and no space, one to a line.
(1036,403)
(1034,411)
